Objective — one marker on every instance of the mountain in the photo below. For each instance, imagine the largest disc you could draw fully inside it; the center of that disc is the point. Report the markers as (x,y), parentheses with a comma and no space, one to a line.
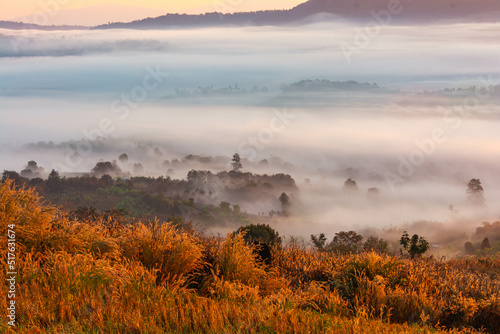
(361,11)
(22,26)
(400,12)
(413,11)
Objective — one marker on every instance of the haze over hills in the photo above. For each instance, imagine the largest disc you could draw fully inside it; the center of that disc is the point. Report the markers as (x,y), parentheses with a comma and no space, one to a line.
(399,11)
(404,10)
(384,11)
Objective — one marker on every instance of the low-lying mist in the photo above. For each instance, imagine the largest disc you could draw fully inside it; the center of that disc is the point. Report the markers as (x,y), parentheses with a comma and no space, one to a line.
(424,124)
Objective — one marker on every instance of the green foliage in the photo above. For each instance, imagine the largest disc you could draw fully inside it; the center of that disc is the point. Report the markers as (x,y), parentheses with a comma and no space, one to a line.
(416,246)
(346,242)
(376,244)
(134,206)
(350,242)
(260,233)
(319,241)
(119,190)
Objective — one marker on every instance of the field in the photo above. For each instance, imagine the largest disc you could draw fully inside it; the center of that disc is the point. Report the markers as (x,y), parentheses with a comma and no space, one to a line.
(102,276)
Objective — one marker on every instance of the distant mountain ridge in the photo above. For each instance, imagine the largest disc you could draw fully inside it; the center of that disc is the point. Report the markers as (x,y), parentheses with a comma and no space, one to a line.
(412,10)
(389,11)
(384,11)
(29,26)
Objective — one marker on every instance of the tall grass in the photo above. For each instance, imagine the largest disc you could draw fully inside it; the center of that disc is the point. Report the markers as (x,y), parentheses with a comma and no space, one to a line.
(100,277)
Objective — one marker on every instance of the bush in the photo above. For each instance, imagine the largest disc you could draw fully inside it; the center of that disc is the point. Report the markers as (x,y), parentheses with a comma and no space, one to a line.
(416,246)
(346,242)
(260,233)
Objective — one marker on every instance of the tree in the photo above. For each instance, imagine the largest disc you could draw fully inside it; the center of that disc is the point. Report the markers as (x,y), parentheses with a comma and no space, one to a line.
(236,163)
(485,244)
(260,233)
(319,241)
(346,242)
(285,203)
(31,170)
(475,192)
(415,246)
(106,167)
(123,157)
(27,173)
(54,182)
(106,180)
(158,152)
(469,248)
(376,244)
(138,168)
(12,175)
(350,185)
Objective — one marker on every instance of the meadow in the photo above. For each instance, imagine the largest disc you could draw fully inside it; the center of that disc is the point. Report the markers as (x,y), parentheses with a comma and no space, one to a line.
(103,276)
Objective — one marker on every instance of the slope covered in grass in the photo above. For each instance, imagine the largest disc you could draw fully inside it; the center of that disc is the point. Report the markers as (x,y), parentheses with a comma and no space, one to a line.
(103,277)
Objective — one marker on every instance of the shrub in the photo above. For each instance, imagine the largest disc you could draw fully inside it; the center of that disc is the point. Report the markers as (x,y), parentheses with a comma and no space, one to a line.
(415,246)
(260,233)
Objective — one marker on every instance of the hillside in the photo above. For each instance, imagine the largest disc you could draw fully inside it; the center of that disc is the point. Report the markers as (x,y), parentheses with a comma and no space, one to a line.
(404,10)
(88,276)
(362,11)
(401,12)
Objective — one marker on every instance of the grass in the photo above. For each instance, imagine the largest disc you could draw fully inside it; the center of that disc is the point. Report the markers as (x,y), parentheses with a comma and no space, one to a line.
(100,277)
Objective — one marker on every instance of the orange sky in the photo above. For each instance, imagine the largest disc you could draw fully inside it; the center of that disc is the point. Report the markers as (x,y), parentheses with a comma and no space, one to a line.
(14,9)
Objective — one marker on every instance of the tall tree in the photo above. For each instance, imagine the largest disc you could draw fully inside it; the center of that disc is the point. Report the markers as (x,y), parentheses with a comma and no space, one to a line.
(285,203)
(236,163)
(54,182)
(475,192)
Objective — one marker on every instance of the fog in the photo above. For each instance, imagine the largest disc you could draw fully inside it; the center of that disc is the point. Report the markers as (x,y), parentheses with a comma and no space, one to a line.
(72,98)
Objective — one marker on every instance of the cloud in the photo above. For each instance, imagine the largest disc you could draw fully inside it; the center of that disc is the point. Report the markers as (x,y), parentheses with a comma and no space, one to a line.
(19,46)
(61,85)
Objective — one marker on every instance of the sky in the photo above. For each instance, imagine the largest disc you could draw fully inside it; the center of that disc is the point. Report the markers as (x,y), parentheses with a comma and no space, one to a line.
(24,9)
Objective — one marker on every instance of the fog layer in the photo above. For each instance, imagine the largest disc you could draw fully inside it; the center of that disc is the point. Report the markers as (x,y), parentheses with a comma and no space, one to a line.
(220,91)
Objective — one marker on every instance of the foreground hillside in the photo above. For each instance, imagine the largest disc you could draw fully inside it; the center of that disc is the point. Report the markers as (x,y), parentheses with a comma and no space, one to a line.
(102,276)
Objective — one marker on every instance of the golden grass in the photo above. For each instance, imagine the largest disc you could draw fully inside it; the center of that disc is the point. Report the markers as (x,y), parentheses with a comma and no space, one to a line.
(99,277)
